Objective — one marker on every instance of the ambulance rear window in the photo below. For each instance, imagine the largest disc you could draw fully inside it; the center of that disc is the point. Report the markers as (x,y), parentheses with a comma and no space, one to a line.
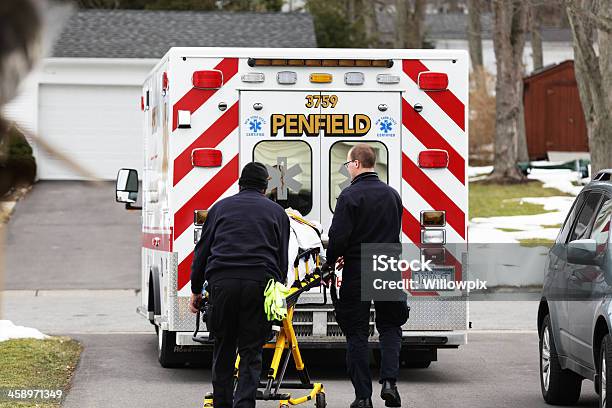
(339,177)
(289,164)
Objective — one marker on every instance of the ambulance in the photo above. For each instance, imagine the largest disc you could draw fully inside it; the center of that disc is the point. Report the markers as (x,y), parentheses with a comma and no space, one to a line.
(209,111)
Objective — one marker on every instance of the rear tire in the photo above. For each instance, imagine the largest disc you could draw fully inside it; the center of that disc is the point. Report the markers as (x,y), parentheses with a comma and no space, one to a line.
(165,349)
(604,369)
(559,386)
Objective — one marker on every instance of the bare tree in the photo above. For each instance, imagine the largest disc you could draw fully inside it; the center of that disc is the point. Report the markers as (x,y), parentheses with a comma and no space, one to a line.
(475,33)
(508,43)
(591,23)
(535,27)
(410,21)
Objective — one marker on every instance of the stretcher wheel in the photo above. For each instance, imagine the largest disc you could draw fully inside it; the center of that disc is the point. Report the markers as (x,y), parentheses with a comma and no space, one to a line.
(320,401)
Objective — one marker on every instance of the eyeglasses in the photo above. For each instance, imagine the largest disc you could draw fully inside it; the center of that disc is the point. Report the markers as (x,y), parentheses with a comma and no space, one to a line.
(345,164)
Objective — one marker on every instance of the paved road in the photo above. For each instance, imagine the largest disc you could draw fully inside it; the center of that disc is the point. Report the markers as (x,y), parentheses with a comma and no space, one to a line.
(72,268)
(493,370)
(70,234)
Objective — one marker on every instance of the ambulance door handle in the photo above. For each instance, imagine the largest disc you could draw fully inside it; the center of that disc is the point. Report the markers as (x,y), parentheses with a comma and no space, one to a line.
(382,107)
(257,106)
(156,241)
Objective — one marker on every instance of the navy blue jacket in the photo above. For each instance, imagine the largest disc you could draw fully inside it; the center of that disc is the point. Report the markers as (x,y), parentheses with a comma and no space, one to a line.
(245,236)
(367,211)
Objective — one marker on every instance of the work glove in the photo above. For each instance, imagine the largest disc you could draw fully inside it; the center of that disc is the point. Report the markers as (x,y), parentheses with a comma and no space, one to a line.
(275,304)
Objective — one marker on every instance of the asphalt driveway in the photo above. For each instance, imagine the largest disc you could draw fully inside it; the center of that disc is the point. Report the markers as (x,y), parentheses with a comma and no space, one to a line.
(72,235)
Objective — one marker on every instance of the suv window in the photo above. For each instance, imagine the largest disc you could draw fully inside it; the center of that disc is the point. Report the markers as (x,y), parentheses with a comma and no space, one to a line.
(569,221)
(585,217)
(601,226)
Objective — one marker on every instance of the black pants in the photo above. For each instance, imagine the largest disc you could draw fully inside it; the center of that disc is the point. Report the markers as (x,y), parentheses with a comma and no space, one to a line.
(353,316)
(237,320)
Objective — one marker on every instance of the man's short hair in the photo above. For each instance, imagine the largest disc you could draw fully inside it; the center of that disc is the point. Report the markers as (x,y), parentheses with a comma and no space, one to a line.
(364,153)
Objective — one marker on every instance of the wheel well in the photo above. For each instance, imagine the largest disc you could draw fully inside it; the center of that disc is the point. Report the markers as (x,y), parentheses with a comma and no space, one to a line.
(601,329)
(542,312)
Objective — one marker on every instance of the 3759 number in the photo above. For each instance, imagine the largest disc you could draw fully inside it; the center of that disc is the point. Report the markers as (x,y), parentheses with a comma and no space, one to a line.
(324,101)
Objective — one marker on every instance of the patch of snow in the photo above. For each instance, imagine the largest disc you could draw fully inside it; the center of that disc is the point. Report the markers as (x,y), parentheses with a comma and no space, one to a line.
(483,230)
(488,233)
(9,331)
(474,171)
(561,179)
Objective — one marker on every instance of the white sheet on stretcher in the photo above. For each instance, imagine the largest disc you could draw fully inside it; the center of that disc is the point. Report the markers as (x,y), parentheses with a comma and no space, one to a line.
(303,237)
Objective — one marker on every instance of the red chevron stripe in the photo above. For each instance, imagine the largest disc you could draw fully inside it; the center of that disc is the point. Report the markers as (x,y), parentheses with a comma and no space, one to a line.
(195,98)
(446,100)
(206,196)
(433,194)
(431,139)
(411,227)
(211,137)
(184,271)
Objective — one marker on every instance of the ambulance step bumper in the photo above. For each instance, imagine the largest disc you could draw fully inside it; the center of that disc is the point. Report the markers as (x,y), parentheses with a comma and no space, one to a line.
(435,339)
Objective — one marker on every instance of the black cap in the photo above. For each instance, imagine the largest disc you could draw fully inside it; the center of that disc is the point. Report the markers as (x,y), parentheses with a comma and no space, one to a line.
(254,175)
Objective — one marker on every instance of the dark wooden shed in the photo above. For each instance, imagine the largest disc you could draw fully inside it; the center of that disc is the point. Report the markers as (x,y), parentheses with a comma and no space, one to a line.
(554,120)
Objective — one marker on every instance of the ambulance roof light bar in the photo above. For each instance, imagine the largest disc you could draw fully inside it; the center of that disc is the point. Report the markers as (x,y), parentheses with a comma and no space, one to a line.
(269,62)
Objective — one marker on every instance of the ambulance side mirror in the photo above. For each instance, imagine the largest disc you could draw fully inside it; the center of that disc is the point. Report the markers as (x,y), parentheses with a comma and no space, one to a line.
(126,190)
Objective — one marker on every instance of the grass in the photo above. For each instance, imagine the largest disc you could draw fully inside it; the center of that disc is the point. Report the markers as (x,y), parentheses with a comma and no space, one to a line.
(500,200)
(555,226)
(37,364)
(536,242)
(509,229)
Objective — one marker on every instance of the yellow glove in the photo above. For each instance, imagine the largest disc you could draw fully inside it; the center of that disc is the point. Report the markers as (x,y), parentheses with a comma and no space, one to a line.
(275,305)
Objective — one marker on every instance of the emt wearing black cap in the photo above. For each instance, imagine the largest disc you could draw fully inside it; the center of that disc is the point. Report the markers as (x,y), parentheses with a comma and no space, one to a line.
(367,211)
(244,244)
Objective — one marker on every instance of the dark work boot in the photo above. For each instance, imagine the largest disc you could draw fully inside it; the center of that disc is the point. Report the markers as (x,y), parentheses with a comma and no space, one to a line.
(390,395)
(362,403)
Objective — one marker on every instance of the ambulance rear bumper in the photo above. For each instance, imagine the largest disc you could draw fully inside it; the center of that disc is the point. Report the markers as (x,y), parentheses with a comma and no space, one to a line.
(426,339)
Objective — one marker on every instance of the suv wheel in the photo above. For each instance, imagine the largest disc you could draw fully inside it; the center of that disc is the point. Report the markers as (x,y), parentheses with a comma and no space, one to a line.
(559,386)
(604,366)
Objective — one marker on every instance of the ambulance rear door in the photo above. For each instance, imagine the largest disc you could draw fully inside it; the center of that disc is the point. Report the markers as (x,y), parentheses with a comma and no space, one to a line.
(381,112)
(293,162)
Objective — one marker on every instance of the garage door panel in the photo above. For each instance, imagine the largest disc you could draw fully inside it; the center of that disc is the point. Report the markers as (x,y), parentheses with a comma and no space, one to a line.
(99,127)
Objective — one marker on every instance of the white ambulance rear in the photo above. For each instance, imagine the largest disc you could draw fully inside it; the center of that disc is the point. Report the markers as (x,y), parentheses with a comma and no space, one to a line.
(209,111)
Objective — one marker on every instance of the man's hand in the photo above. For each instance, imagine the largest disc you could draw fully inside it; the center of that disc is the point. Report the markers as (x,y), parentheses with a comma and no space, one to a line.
(340,263)
(194,302)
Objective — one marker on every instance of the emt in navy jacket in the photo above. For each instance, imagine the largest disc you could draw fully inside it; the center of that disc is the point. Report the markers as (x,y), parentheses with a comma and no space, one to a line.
(367,211)
(244,243)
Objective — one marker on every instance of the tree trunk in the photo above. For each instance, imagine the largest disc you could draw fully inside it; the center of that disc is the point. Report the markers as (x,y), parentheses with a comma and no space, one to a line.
(370,24)
(410,22)
(400,22)
(475,34)
(535,26)
(594,75)
(522,152)
(508,43)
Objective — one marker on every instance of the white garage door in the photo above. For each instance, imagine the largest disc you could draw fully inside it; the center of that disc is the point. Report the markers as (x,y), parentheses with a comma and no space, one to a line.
(100,127)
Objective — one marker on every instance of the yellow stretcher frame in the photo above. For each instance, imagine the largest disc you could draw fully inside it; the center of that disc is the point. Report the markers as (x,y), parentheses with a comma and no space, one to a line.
(287,340)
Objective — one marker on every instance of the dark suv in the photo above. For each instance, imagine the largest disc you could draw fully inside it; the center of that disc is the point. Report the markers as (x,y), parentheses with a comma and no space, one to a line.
(575,313)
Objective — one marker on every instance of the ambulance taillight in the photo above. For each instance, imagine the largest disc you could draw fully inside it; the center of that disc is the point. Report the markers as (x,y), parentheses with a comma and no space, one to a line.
(209,79)
(206,157)
(433,159)
(432,81)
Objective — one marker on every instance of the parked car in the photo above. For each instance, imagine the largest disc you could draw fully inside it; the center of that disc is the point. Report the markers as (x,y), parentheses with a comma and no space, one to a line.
(575,312)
